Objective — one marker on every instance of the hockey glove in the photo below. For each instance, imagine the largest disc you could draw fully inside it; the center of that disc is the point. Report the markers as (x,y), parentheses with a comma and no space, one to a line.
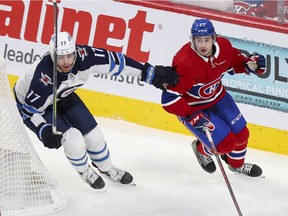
(49,139)
(256,64)
(199,121)
(159,76)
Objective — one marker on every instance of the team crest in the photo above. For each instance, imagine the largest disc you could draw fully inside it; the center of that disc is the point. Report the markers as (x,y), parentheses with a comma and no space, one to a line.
(82,53)
(208,90)
(45,79)
(242,7)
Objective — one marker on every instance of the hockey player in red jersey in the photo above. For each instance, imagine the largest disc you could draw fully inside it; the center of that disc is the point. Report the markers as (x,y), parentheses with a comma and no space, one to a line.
(200,100)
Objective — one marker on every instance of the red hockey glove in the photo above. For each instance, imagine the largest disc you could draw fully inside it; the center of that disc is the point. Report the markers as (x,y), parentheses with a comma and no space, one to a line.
(256,64)
(199,121)
(159,76)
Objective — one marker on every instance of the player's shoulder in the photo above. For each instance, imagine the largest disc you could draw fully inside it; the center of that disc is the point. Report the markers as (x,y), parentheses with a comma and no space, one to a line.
(184,54)
(44,63)
(44,59)
(80,48)
(88,56)
(185,48)
(85,57)
(87,51)
(83,50)
(186,61)
(222,41)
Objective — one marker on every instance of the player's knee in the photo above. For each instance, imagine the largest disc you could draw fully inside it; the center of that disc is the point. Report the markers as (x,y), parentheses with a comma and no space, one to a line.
(97,149)
(242,137)
(95,139)
(227,144)
(73,143)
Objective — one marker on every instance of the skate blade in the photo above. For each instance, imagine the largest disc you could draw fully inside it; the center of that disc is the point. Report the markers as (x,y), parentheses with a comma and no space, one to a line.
(102,190)
(241,174)
(132,183)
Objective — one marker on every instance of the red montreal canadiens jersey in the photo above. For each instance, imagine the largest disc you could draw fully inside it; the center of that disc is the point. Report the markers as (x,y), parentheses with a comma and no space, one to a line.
(200,84)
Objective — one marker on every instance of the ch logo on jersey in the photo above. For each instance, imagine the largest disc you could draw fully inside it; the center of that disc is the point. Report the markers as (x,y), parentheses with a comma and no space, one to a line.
(82,53)
(208,90)
(45,79)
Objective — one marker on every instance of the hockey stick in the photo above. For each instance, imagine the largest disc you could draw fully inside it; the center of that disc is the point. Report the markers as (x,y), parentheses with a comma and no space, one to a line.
(54,124)
(222,170)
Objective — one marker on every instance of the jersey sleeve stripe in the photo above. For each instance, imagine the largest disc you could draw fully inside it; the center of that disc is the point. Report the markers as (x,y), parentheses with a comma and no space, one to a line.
(121,64)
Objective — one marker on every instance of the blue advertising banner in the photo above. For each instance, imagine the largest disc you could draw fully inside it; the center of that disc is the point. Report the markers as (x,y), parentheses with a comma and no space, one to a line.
(269,90)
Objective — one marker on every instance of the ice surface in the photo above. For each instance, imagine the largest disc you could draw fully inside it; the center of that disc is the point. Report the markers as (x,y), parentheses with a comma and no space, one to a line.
(169,180)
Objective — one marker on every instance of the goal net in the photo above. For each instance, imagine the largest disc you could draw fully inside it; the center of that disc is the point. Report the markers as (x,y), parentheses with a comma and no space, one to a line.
(26,187)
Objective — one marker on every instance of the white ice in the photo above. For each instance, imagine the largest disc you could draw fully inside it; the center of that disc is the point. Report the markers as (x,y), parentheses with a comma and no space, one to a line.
(169,180)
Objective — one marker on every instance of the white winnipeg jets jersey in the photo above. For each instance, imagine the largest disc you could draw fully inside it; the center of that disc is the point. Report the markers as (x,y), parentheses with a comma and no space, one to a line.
(34,89)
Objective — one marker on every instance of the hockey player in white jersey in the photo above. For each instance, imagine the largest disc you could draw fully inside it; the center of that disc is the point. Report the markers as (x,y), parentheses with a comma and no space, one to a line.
(80,136)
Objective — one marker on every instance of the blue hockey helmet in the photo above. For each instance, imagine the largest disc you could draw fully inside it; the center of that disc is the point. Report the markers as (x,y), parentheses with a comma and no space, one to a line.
(202,27)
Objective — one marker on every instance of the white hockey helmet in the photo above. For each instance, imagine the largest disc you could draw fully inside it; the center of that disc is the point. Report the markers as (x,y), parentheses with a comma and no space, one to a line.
(65,44)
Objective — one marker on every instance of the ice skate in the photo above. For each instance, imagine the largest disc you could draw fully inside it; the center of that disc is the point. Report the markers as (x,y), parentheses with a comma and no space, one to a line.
(224,158)
(248,169)
(117,175)
(92,178)
(205,161)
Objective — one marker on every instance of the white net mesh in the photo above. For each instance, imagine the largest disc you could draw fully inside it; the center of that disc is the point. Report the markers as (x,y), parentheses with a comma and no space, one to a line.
(26,188)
